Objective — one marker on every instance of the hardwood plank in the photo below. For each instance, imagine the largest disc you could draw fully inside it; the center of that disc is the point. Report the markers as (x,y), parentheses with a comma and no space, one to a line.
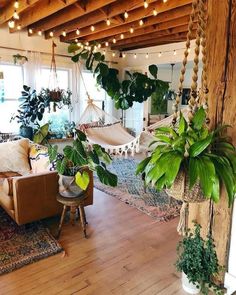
(127,252)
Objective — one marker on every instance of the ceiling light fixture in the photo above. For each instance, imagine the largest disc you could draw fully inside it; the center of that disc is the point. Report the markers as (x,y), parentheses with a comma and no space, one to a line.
(123,55)
(159,54)
(122,36)
(154,12)
(126,15)
(108,22)
(164,1)
(175,52)
(19,27)
(114,40)
(16,15)
(145,4)
(11,24)
(106,44)
(135,55)
(99,45)
(64,33)
(141,22)
(92,28)
(113,54)
(147,55)
(131,30)
(40,33)
(16,4)
(51,34)
(77,31)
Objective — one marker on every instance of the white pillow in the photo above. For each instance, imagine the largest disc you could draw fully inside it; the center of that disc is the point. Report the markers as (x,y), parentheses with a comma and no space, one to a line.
(14,156)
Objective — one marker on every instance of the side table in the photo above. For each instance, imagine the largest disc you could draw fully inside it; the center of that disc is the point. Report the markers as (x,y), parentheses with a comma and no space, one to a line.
(74,204)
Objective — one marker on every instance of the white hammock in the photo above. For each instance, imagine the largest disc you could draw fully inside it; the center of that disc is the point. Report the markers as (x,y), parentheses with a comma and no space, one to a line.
(103,129)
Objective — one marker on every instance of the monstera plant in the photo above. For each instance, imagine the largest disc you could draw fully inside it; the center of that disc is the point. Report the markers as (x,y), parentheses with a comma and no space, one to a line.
(138,88)
(206,157)
(78,161)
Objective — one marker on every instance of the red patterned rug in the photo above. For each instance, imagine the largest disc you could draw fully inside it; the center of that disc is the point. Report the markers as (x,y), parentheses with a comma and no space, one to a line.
(22,245)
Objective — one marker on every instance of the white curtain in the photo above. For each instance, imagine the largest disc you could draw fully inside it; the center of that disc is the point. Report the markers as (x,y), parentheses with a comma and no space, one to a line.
(32,69)
(75,115)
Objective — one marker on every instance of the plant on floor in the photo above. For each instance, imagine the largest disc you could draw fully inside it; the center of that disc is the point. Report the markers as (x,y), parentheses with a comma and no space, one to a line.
(197,258)
(77,159)
(30,111)
(206,157)
(138,88)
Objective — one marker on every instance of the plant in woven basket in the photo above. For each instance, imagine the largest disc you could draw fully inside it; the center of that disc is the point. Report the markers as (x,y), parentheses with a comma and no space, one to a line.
(80,158)
(198,260)
(206,159)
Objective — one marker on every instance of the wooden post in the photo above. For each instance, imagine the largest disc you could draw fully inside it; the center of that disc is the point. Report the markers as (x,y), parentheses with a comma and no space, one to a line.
(221,54)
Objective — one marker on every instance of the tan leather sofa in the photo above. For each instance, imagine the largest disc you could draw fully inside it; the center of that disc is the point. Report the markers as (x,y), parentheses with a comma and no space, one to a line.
(33,197)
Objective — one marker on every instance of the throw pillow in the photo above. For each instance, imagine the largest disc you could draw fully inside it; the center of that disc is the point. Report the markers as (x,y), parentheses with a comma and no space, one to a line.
(14,156)
(39,159)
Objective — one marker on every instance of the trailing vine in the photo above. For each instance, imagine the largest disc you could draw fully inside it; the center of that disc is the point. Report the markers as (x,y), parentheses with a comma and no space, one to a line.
(138,88)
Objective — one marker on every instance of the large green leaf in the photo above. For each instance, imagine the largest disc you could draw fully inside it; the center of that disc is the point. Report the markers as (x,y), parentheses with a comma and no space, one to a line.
(215,196)
(193,171)
(106,176)
(171,173)
(182,124)
(82,179)
(81,135)
(153,70)
(142,165)
(206,170)
(199,118)
(198,147)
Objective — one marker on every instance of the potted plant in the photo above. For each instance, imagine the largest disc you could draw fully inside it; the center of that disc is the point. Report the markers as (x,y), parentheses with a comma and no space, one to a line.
(30,111)
(76,163)
(192,160)
(58,97)
(198,262)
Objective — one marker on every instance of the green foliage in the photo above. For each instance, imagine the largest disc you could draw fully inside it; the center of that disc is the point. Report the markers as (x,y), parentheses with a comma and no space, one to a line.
(79,157)
(40,136)
(135,89)
(206,156)
(197,258)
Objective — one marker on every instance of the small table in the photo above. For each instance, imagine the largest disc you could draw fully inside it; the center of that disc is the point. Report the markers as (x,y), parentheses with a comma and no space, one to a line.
(74,204)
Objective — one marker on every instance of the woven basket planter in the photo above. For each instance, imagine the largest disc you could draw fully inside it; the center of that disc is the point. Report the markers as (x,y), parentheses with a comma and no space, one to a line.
(180,190)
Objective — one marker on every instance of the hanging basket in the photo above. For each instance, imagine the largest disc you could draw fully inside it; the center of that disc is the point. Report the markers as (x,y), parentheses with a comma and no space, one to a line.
(55,95)
(180,190)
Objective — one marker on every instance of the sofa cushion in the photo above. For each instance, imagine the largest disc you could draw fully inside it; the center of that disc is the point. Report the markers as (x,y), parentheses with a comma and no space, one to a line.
(14,156)
(39,159)
(6,189)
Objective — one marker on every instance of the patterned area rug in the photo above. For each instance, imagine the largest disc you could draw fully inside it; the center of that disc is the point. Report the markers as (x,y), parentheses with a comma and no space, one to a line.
(22,245)
(130,190)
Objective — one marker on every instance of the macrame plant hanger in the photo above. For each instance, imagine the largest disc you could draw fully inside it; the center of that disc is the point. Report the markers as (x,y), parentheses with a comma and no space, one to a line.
(196,97)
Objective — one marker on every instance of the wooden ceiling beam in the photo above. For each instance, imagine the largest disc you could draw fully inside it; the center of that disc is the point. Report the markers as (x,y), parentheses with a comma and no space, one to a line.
(68,14)
(153,35)
(6,13)
(166,12)
(173,38)
(42,9)
(118,7)
(171,27)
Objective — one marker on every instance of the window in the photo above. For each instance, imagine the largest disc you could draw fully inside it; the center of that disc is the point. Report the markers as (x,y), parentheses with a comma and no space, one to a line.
(10,91)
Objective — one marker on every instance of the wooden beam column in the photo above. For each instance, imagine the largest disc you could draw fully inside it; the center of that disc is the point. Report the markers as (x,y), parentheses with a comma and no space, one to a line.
(221,51)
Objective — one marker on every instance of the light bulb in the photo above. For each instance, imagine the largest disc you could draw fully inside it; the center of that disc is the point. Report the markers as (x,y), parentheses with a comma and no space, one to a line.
(16,15)
(40,33)
(159,54)
(19,27)
(123,55)
(135,55)
(11,24)
(113,54)
(154,12)
(92,28)
(82,46)
(64,33)
(99,45)
(108,22)
(16,4)
(122,36)
(87,43)
(147,55)
(89,48)
(145,4)
(104,52)
(189,49)
(164,1)
(141,22)
(126,15)
(175,52)
(51,34)
(30,31)
(114,40)
(77,32)
(106,44)
(131,30)
(76,40)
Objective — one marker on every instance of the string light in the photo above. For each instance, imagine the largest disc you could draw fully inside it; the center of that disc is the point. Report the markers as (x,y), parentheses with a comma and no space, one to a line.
(30,31)
(11,24)
(76,40)
(113,54)
(141,22)
(99,45)
(145,4)
(64,33)
(16,15)
(19,27)
(89,48)
(189,49)
(147,55)
(135,55)
(106,44)
(175,52)
(123,55)
(122,36)
(16,4)
(92,28)
(126,15)
(87,43)
(104,52)
(131,30)
(164,1)
(154,12)
(51,34)
(40,33)
(159,54)
(114,40)
(77,32)
(108,22)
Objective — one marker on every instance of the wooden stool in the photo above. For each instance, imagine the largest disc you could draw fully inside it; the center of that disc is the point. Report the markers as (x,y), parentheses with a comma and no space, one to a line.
(73,204)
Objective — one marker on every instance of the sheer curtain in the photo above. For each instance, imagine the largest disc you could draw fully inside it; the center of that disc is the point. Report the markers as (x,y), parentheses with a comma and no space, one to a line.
(76,101)
(32,69)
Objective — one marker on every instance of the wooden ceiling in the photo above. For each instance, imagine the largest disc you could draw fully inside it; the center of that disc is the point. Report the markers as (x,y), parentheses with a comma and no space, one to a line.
(102,21)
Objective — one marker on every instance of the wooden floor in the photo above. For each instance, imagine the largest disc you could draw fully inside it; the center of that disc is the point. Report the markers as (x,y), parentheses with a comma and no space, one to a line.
(127,252)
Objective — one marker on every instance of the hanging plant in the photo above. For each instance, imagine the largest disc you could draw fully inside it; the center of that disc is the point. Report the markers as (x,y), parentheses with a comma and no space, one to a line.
(19,59)
(138,88)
